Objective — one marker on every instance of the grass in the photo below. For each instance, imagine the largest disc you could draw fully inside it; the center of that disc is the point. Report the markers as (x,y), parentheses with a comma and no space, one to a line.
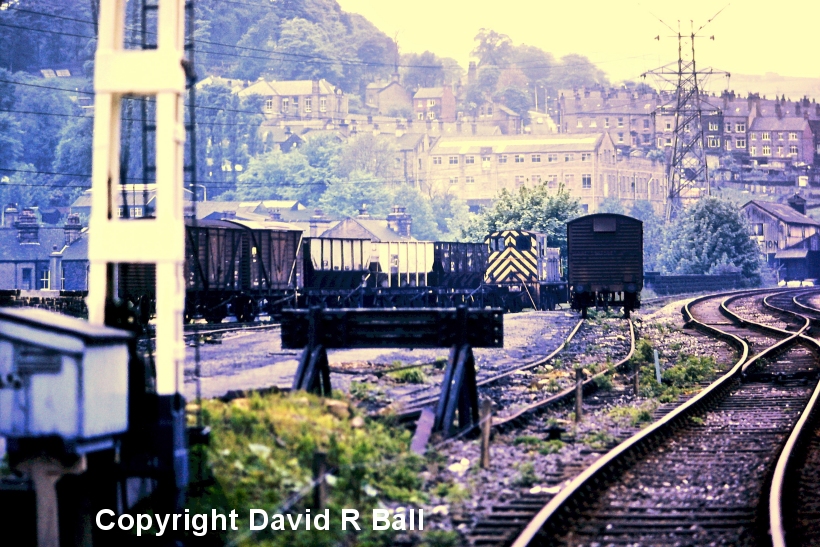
(261,454)
(603,382)
(413,375)
(542,446)
(598,440)
(633,416)
(526,475)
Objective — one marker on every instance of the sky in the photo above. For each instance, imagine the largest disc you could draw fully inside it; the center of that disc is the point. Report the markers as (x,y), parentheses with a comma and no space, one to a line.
(750,37)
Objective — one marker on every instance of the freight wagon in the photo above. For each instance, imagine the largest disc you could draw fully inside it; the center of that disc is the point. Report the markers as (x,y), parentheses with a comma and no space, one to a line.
(605,262)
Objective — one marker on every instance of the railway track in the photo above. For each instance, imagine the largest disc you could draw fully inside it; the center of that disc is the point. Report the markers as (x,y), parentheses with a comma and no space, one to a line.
(697,475)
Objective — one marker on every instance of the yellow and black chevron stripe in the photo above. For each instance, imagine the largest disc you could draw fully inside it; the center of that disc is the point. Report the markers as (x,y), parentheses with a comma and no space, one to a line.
(510,265)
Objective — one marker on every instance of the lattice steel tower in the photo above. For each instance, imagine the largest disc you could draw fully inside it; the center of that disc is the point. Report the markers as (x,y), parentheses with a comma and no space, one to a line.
(683,105)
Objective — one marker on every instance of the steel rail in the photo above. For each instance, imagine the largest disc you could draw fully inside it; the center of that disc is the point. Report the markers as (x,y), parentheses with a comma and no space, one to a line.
(784,462)
(414,405)
(569,393)
(631,449)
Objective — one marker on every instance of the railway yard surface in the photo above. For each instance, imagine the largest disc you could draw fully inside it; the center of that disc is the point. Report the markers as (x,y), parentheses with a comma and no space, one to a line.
(532,457)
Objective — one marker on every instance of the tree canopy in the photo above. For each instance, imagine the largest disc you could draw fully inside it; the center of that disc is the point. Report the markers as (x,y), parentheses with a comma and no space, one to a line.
(711,237)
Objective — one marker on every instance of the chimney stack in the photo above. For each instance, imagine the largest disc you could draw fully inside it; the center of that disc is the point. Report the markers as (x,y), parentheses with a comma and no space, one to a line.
(10,214)
(798,204)
(317,218)
(28,231)
(72,228)
(363,212)
(275,215)
(399,221)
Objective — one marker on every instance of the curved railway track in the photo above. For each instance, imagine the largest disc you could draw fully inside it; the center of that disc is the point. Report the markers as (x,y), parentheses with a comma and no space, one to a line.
(698,475)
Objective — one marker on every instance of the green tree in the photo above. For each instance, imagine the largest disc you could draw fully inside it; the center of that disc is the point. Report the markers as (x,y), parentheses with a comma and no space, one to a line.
(424,226)
(492,48)
(277,175)
(344,197)
(711,237)
(611,205)
(537,209)
(652,233)
(370,154)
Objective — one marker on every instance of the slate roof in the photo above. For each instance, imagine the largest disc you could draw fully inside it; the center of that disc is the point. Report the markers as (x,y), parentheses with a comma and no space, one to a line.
(784,212)
(359,227)
(775,124)
(12,250)
(287,88)
(510,144)
(429,93)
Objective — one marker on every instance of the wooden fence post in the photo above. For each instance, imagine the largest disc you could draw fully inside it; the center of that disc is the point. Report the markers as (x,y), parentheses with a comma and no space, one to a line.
(486,419)
(579,394)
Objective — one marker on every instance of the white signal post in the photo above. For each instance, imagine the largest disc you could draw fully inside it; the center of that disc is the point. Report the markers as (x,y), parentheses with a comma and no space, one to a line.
(160,240)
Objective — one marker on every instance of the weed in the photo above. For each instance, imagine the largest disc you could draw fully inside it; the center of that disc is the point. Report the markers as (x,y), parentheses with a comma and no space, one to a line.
(603,382)
(551,447)
(440,363)
(526,475)
(697,420)
(413,375)
(634,416)
(598,440)
(528,440)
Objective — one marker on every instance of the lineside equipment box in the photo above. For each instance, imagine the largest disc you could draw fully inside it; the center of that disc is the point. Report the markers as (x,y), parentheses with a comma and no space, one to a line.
(61,376)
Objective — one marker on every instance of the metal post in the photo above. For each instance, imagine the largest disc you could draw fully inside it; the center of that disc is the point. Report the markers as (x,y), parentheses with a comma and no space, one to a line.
(636,379)
(579,394)
(320,484)
(486,418)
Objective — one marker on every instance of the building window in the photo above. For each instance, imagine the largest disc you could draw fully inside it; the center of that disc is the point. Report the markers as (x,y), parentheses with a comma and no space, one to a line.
(519,158)
(552,158)
(453,180)
(593,123)
(792,150)
(420,115)
(296,104)
(620,122)
(580,123)
(668,141)
(740,127)
(552,180)
(620,137)
(502,158)
(569,178)
(453,160)
(470,160)
(753,150)
(45,280)
(647,138)
(792,136)
(26,285)
(520,180)
(606,122)
(485,159)
(490,110)
(469,180)
(780,136)
(268,105)
(713,126)
(285,104)
(431,115)
(536,158)
(767,150)
(137,212)
(713,142)
(669,126)
(569,157)
(728,127)
(753,136)
(322,105)
(740,143)
(536,179)
(436,160)
(431,102)
(646,124)
(586,156)
(765,136)
(780,151)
